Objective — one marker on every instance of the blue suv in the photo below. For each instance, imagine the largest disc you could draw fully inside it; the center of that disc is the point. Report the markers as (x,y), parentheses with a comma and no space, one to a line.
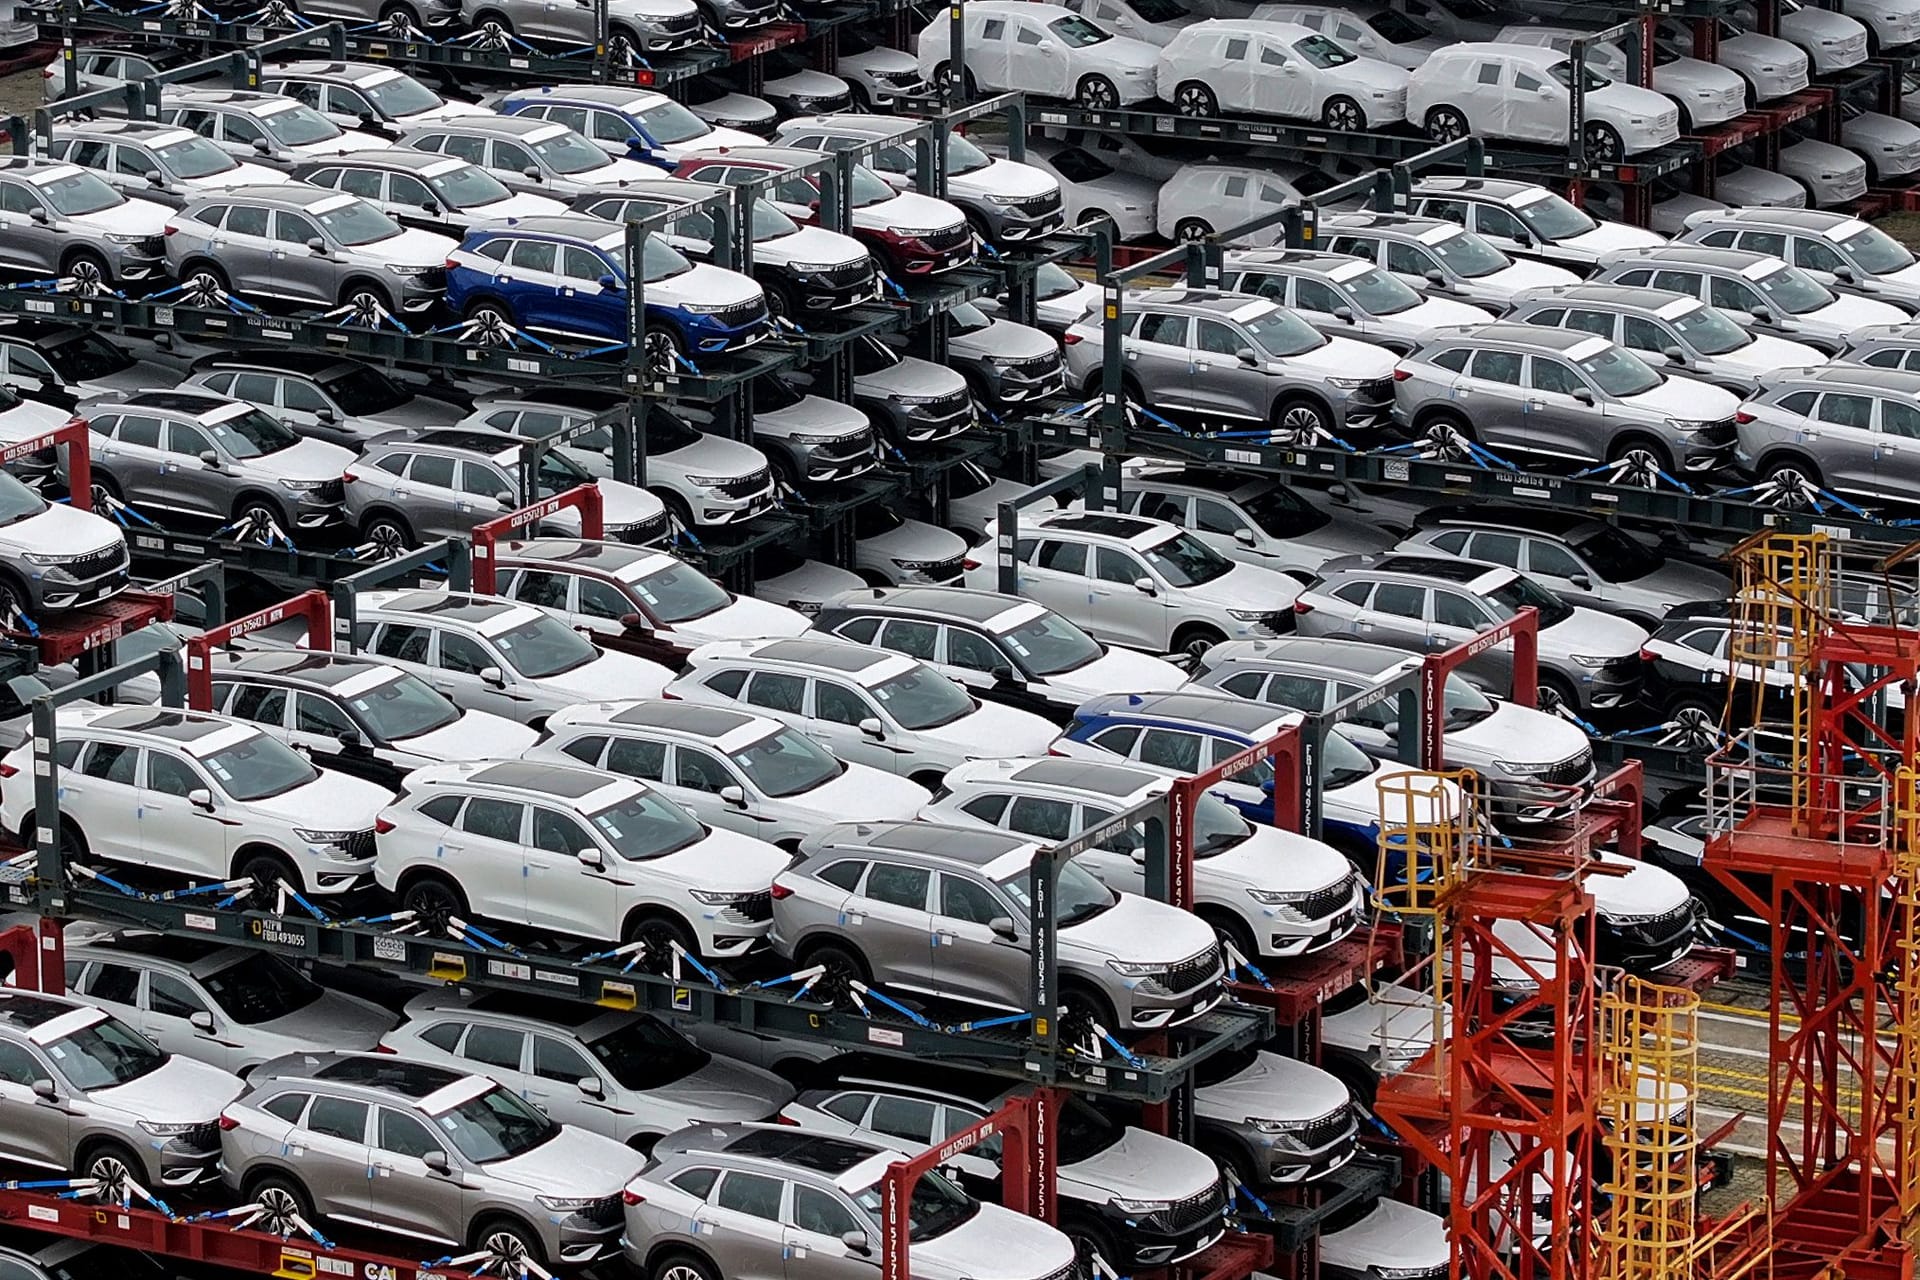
(636,123)
(1181,733)
(565,276)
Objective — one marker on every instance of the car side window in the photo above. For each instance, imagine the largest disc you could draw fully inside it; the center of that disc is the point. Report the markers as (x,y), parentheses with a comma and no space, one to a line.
(697,1183)
(1453,541)
(479,480)
(1490,221)
(443,809)
(1845,410)
(988,808)
(899,886)
(1357,247)
(462,654)
(1589,321)
(557,1060)
(1407,260)
(973,651)
(844,875)
(1244,684)
(171,776)
(1772,243)
(172,998)
(698,770)
(1487,73)
(909,1118)
(558,833)
(111,762)
(859,630)
(582,265)
(1815,255)
(534,255)
(1236,51)
(638,759)
(472,150)
(777,691)
(494,1046)
(1721,239)
(15,198)
(587,750)
(1044,819)
(1028,36)
(1551,559)
(291,228)
(1062,557)
(1887,358)
(837,704)
(1119,739)
(402,641)
(727,684)
(340,1118)
(114,983)
(751,1194)
(1800,402)
(1524,83)
(1400,600)
(1733,295)
(820,1213)
(1164,330)
(288,1106)
(1355,593)
(915,639)
(1220,339)
(1497,366)
(1316,295)
(1645,335)
(316,714)
(367,183)
(402,1135)
(1301,693)
(1501,548)
(1544,374)
(1454,361)
(1171,749)
(1898,418)
(187,440)
(1113,565)
(1451,609)
(512,158)
(1687,282)
(492,819)
(544,588)
(994,29)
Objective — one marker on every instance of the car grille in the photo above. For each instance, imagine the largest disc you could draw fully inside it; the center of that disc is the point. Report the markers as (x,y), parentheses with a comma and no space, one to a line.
(753,17)
(1625,669)
(740,313)
(202,1137)
(641,533)
(743,486)
(1035,366)
(1569,772)
(1196,1210)
(1324,1130)
(1667,121)
(1192,971)
(1039,206)
(752,907)
(846,275)
(944,407)
(1720,432)
(1662,927)
(152,246)
(1853,50)
(953,237)
(607,1211)
(823,105)
(359,844)
(96,563)
(1380,389)
(432,278)
(1321,903)
(330,491)
(675,26)
(858,445)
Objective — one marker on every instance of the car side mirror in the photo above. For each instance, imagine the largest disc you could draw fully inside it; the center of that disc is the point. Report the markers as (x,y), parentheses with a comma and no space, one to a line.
(154,179)
(1002,927)
(856,1242)
(1581,581)
(43,1089)
(873,728)
(591,1086)
(351,739)
(1761,315)
(608,284)
(637,143)
(1584,396)
(430,207)
(325,414)
(505,498)
(735,796)
(262,146)
(437,1162)
(1674,355)
(317,245)
(1145,586)
(531,173)
(634,622)
(1392,729)
(201,798)
(210,459)
(1243,536)
(1844,272)
(366,118)
(592,859)
(1522,239)
(201,1020)
(493,676)
(1247,356)
(1343,313)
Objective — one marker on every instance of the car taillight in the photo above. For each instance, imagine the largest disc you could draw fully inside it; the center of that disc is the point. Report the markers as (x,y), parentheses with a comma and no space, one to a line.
(347,477)
(450,264)
(381,826)
(629,1196)
(7,770)
(778,892)
(46,74)
(228,1124)
(786,1119)
(1646,655)
(968,562)
(1742,417)
(1071,338)
(1055,751)
(1401,375)
(1301,606)
(168,230)
(385,1048)
(670,695)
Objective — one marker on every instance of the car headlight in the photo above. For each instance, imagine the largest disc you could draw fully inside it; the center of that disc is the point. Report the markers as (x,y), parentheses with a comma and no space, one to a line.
(718,897)
(712,482)
(1348,384)
(1249,615)
(1381,95)
(301,486)
(1406,1273)
(911,400)
(159,1130)
(114,237)
(324,837)
(400,269)
(1521,768)
(1262,1125)
(1273,897)
(825,440)
(567,1204)
(1130,969)
(1590,660)
(996,199)
(704,308)
(43,558)
(1688,425)
(1140,1208)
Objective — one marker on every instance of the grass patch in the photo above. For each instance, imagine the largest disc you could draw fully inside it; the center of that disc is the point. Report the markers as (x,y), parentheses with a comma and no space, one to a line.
(1904,227)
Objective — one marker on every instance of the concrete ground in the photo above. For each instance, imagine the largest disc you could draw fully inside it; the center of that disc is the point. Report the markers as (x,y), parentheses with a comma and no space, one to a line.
(20,92)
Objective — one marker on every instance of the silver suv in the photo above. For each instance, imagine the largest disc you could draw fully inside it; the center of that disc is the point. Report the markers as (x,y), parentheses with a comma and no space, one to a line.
(710,1205)
(1848,428)
(944,911)
(1670,331)
(267,127)
(1860,256)
(1202,353)
(202,455)
(1344,295)
(299,244)
(1441,256)
(442,194)
(80,1090)
(1566,397)
(63,220)
(423,1152)
(159,162)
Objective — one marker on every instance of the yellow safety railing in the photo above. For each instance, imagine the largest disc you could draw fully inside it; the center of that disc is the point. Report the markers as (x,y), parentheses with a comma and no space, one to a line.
(1650,1040)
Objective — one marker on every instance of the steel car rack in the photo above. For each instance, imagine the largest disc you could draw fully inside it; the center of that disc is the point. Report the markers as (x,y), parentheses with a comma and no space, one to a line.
(584,498)
(1293,1216)
(451,560)
(312,606)
(140,98)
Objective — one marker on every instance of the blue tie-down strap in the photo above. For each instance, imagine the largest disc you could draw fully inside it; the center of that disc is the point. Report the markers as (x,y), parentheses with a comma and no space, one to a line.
(402,919)
(1102,1036)
(219,886)
(987,1024)
(466,933)
(101,877)
(680,953)
(1568,713)
(685,531)
(66,284)
(788,325)
(595,353)
(248,529)
(494,335)
(806,978)
(117,510)
(1431,448)
(861,989)
(1237,962)
(1790,496)
(986,246)
(1268,435)
(281,14)
(889,282)
(1642,476)
(988,413)
(26,623)
(373,315)
(209,298)
(304,904)
(1241,1191)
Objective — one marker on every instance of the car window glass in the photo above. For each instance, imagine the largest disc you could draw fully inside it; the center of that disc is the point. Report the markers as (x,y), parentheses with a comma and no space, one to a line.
(432,469)
(1114,565)
(601,600)
(844,875)
(582,265)
(444,1035)
(1028,36)
(699,770)
(1166,330)
(1236,50)
(816,1211)
(114,983)
(1400,600)
(558,1060)
(1497,222)
(1501,548)
(1497,366)
(402,641)
(288,1106)
(1800,402)
(1544,374)
(247,220)
(994,29)
(1487,73)
(1244,684)
(1887,358)
(1062,557)
(638,759)
(1406,260)
(472,150)
(1722,239)
(534,255)
(1731,294)
(538,586)
(838,704)
(915,639)
(462,654)
(1220,339)
(1050,820)
(1453,541)
(443,809)
(963,899)
(17,1066)
(1168,749)
(899,886)
(751,1194)
(1451,609)
(315,714)
(909,1118)
(1705,640)
(366,183)
(1600,322)
(859,630)
(483,481)
(1815,255)
(1768,242)
(1898,418)
(141,432)
(1454,361)
(973,651)
(403,1135)
(1645,335)
(1845,410)
(1524,83)
(394,464)
(338,1118)
(726,683)
(172,998)
(1119,739)
(188,440)
(494,1046)
(1551,559)
(777,691)
(1316,295)
(171,776)
(492,819)
(697,1183)
(111,762)
(1357,247)
(291,228)
(987,808)
(512,159)
(561,834)
(586,750)
(1353,592)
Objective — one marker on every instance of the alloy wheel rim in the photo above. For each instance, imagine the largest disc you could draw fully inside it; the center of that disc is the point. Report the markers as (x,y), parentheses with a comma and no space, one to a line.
(281,1208)
(88,279)
(1301,421)
(1343,116)
(112,1174)
(1193,101)
(386,540)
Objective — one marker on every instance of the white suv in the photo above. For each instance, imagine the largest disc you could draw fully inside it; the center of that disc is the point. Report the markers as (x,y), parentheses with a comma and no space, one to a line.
(865,705)
(1267,891)
(1142,583)
(748,773)
(576,852)
(200,796)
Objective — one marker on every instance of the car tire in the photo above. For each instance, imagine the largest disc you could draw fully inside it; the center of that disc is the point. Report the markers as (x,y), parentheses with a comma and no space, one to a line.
(14,598)
(1642,455)
(1604,143)
(1082,1004)
(1231,928)
(251,507)
(1096,93)
(857,96)
(202,279)
(1697,714)
(364,301)
(88,271)
(434,900)
(491,322)
(1089,1238)
(1555,689)
(1302,416)
(1197,100)
(1446,124)
(1343,115)
(780,300)
(663,348)
(493,27)
(676,507)
(1792,471)
(73,842)
(394,15)
(1195,639)
(510,1239)
(844,965)
(388,533)
(683,1266)
(104,492)
(263,867)
(112,1164)
(283,1197)
(1191,230)
(659,929)
(624,45)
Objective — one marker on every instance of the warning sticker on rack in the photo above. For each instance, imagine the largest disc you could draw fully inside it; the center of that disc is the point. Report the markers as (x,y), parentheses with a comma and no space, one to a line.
(880,1035)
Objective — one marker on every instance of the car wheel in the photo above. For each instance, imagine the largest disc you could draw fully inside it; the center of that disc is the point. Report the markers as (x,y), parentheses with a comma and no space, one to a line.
(387,534)
(1195,640)
(1446,124)
(684,1266)
(664,350)
(676,506)
(1301,420)
(1795,481)
(258,517)
(202,284)
(1554,695)
(104,494)
(623,48)
(1192,230)
(1096,93)
(1195,99)
(1448,435)
(1604,144)
(267,870)
(365,304)
(1639,462)
(489,323)
(1081,1008)
(661,933)
(493,29)
(282,1201)
(1343,114)
(434,900)
(857,97)
(780,303)
(114,1167)
(514,1243)
(1696,720)
(88,271)
(1090,1238)
(843,967)
(1234,931)
(13,600)
(399,18)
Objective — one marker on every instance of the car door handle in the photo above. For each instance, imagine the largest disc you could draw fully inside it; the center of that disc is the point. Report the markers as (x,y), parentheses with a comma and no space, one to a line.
(945,937)
(1536,404)
(1810,433)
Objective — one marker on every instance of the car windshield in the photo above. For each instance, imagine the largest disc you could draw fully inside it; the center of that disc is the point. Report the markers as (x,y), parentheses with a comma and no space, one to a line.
(1077,31)
(299,125)
(785,763)
(401,96)
(1076,165)
(967,318)
(1049,645)
(1794,291)
(545,646)
(937,1207)
(680,593)
(1282,333)
(1619,372)
(1563,72)
(1709,332)
(1468,256)
(1053,281)
(17,502)
(81,191)
(963,156)
(468,187)
(495,1126)
(922,698)
(1381,293)
(1185,561)
(260,988)
(1078,896)
(87,355)
(1875,252)
(1397,28)
(1464,705)
(1216,829)
(1519,593)
(1341,763)
(645,825)
(667,121)
(258,768)
(868,188)
(1084,1132)
(362,390)
(1158,10)
(568,153)
(104,1055)
(404,707)
(1615,556)
(253,434)
(1322,52)
(769,223)
(356,223)
(1552,218)
(646,1054)
(558,473)
(194,157)
(1282,512)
